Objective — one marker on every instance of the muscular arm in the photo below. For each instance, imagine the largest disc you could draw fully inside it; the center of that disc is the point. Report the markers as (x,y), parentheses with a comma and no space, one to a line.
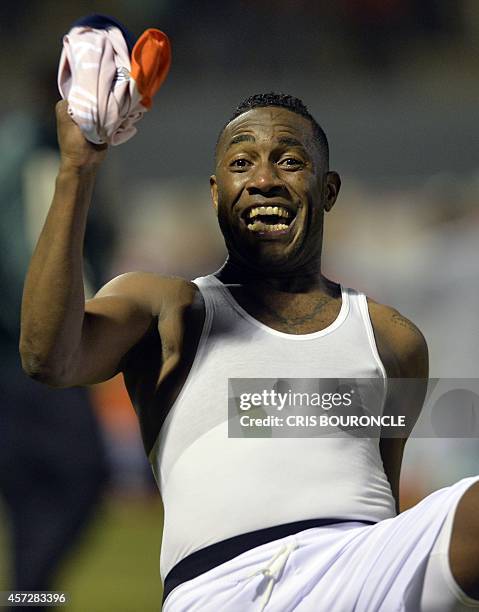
(64,341)
(403,351)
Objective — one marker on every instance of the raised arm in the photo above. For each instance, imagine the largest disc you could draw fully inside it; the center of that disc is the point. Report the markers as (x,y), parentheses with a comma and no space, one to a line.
(63,342)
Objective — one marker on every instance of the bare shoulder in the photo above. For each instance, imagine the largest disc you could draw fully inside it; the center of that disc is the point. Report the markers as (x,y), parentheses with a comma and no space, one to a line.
(400,342)
(151,291)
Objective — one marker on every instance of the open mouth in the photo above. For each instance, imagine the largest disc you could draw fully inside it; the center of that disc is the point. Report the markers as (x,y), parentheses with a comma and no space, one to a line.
(271,219)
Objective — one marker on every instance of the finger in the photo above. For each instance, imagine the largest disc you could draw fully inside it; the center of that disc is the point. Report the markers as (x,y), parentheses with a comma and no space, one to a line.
(61,108)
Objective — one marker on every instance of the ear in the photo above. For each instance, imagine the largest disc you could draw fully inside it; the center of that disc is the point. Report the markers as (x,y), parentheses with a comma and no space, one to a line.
(214,192)
(333,185)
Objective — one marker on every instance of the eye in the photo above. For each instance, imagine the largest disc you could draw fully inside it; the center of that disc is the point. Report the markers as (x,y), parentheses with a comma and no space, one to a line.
(291,163)
(241,164)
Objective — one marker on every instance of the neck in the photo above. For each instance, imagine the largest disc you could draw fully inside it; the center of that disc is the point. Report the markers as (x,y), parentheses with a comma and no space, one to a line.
(302,280)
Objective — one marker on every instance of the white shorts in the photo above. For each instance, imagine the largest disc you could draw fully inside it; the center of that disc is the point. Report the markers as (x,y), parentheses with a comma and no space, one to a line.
(399,564)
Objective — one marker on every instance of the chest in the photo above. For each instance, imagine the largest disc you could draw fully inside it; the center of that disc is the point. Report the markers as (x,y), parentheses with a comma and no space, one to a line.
(299,315)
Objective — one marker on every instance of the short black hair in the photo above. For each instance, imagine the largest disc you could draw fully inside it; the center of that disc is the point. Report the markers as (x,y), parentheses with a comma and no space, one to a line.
(288,102)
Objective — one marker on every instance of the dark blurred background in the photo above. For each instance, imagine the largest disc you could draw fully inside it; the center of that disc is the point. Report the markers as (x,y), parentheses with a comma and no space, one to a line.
(395,85)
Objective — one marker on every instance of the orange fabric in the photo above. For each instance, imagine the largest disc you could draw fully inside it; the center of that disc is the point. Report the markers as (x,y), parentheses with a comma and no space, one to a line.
(113,406)
(150,63)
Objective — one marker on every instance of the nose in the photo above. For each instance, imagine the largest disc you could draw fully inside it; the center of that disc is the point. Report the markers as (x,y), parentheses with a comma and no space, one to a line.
(265,179)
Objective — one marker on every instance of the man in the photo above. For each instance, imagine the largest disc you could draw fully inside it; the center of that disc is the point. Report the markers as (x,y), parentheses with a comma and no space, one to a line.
(283,524)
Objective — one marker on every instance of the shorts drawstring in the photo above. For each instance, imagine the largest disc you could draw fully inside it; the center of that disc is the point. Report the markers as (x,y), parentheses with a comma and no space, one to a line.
(273,570)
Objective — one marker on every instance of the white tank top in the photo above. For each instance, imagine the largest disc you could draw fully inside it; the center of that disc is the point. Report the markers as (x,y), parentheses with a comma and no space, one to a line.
(215,487)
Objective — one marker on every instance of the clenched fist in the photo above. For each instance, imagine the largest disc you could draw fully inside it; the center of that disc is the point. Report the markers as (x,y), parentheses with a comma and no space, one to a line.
(76,151)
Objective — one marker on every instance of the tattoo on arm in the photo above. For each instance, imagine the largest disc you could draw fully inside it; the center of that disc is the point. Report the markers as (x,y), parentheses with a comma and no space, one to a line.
(397,319)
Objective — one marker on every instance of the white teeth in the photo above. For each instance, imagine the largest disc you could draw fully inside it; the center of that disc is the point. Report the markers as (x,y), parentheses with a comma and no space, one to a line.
(269,210)
(259,226)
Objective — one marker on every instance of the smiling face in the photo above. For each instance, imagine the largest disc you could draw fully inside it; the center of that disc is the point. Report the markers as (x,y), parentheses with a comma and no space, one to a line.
(270,191)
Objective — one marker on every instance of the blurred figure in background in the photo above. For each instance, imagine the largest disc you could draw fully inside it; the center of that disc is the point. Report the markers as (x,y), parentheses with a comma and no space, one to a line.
(52,458)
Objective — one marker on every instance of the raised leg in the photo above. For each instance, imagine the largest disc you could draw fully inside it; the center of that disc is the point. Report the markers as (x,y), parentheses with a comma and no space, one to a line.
(464,547)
